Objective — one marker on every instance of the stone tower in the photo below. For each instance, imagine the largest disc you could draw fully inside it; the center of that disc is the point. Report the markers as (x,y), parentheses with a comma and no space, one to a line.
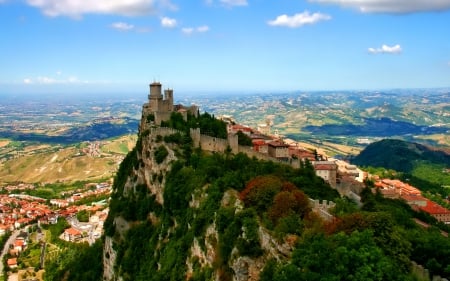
(155,97)
(168,96)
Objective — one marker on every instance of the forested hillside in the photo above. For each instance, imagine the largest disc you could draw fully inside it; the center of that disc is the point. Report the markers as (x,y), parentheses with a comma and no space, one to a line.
(179,213)
(422,166)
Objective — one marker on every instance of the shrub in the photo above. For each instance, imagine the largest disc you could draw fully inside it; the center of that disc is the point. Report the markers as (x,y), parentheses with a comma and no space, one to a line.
(161,154)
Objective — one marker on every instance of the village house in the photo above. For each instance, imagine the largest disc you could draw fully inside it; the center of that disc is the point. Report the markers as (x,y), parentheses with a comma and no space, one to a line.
(301,153)
(415,200)
(260,145)
(234,128)
(326,170)
(437,211)
(278,149)
(12,263)
(72,235)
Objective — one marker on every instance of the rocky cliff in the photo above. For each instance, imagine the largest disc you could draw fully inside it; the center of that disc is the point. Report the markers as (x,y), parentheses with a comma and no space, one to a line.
(179,212)
(182,215)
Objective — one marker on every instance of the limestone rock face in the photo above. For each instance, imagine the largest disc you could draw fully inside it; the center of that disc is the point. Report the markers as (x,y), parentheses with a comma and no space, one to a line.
(109,260)
(204,251)
(150,174)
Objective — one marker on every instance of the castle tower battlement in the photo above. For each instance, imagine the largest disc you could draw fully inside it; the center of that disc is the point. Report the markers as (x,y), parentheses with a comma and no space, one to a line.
(159,107)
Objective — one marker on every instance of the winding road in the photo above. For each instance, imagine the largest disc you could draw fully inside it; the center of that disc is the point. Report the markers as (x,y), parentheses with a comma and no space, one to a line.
(5,249)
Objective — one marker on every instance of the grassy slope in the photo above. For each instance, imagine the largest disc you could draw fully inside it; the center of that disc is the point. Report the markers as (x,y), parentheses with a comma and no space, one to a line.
(66,165)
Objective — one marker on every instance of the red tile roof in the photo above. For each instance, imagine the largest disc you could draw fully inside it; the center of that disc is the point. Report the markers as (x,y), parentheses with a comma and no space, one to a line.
(278,144)
(326,167)
(434,209)
(72,231)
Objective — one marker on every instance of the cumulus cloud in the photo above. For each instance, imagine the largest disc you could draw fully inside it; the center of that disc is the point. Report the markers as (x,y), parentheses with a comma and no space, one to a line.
(77,8)
(391,6)
(168,22)
(385,49)
(192,30)
(298,20)
(122,26)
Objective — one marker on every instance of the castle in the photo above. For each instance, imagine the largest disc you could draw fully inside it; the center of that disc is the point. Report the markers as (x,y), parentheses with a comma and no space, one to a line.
(159,108)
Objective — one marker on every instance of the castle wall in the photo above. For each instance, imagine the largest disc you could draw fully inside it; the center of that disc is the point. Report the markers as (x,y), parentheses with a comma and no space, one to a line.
(164,131)
(213,144)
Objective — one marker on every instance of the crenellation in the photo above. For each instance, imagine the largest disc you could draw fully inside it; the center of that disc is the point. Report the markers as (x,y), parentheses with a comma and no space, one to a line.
(160,107)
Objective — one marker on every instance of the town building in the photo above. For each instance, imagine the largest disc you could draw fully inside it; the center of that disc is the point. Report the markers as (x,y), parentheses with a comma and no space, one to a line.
(326,170)
(437,211)
(72,234)
(278,149)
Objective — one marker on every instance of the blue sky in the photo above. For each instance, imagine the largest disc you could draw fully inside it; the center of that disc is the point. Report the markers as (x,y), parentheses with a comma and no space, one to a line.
(85,46)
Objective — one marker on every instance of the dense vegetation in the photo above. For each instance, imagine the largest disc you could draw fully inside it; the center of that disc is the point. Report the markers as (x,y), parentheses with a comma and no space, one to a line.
(71,261)
(205,178)
(376,242)
(207,123)
(421,166)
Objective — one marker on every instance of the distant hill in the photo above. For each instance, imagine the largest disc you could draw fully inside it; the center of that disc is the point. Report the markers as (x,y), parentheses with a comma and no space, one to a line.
(93,131)
(376,127)
(68,164)
(400,155)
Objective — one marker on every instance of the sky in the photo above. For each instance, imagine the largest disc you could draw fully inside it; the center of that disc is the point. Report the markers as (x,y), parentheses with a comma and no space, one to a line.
(86,46)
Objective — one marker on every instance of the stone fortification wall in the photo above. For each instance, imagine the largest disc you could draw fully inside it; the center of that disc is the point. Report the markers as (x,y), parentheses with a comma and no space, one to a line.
(163,131)
(213,144)
(253,153)
(423,274)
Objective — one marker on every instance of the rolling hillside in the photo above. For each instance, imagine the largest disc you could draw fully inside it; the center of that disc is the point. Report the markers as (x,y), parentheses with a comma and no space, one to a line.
(67,164)
(425,167)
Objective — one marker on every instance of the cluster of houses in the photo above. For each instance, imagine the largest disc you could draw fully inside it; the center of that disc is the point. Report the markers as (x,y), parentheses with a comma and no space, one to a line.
(15,212)
(92,149)
(397,189)
(333,171)
(16,248)
(346,178)
(86,231)
(19,210)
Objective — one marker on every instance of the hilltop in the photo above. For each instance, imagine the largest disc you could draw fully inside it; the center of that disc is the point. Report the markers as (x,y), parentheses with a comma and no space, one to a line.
(188,210)
(400,155)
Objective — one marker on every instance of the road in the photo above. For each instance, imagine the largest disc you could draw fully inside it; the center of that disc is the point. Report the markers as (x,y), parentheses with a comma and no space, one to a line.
(5,249)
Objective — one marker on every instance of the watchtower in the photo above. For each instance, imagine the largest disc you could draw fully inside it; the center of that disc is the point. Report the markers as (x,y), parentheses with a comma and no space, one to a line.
(155,97)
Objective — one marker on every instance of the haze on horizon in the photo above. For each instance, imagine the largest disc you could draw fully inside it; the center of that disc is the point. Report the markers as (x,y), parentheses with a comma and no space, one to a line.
(64,46)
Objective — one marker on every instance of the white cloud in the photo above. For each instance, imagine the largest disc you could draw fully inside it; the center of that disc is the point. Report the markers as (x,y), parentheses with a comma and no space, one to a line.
(385,49)
(203,28)
(122,26)
(231,3)
(298,20)
(192,30)
(391,6)
(187,30)
(168,22)
(76,8)
(46,80)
